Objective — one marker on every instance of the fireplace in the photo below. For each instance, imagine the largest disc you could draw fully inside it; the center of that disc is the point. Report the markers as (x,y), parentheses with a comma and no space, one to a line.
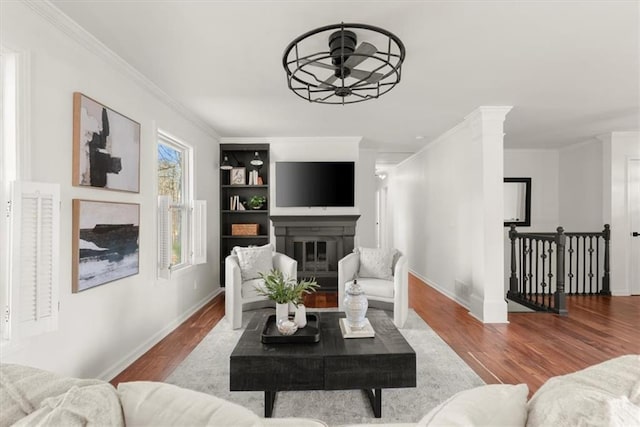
(317,243)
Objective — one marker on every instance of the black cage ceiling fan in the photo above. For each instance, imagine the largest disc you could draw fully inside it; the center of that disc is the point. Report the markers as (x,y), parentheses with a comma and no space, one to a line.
(331,77)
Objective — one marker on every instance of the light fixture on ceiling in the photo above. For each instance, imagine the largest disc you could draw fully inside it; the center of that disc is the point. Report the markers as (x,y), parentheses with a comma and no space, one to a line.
(256,161)
(330,76)
(225,165)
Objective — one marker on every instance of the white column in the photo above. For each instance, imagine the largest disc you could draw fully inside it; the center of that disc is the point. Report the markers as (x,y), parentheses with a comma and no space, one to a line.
(488,298)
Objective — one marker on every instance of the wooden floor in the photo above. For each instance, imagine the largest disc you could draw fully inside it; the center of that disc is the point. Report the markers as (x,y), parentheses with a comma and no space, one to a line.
(530,349)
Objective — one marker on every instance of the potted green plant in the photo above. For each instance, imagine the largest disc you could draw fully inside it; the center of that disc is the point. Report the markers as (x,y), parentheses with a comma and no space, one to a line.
(257,202)
(284,290)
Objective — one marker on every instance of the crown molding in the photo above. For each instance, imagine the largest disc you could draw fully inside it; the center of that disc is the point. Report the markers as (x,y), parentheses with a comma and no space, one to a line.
(68,26)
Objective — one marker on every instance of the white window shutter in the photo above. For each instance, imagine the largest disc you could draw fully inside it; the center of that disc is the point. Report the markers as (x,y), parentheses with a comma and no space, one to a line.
(199,232)
(164,237)
(34,271)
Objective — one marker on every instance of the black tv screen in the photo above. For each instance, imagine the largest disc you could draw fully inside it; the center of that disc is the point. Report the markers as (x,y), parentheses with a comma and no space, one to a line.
(304,184)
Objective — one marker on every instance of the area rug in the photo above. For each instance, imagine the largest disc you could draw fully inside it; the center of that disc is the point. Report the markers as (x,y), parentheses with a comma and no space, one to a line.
(440,374)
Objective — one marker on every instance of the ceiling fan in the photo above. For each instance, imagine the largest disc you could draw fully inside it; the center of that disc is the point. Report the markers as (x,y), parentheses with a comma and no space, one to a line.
(378,73)
(341,47)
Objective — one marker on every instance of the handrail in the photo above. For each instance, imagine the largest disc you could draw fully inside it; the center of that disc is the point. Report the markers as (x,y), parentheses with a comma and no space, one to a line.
(538,282)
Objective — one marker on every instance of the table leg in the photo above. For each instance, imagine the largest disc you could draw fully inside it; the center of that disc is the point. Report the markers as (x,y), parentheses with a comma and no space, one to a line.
(375,397)
(269,400)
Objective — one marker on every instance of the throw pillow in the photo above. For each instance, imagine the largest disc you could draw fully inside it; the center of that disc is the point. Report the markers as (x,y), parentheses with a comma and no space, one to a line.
(96,405)
(23,388)
(376,263)
(146,403)
(254,261)
(502,405)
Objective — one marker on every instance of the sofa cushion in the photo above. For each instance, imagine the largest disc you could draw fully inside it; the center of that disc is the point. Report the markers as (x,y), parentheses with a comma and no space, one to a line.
(604,394)
(376,263)
(80,406)
(23,388)
(490,405)
(374,287)
(254,260)
(147,403)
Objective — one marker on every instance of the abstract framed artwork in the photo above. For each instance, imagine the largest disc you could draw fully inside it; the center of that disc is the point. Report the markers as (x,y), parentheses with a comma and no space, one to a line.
(105,242)
(106,147)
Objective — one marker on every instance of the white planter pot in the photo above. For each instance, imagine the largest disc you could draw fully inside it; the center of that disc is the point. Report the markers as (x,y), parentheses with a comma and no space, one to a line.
(282,312)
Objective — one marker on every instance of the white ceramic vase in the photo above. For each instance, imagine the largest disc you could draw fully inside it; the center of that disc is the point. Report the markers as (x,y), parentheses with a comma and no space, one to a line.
(301,316)
(282,312)
(355,305)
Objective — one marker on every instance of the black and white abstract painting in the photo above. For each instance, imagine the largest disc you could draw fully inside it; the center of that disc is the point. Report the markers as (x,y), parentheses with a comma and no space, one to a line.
(106,147)
(105,242)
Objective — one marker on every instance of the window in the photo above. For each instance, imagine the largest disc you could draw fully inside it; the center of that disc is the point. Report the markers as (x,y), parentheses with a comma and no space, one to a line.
(181,220)
(30,223)
(173,180)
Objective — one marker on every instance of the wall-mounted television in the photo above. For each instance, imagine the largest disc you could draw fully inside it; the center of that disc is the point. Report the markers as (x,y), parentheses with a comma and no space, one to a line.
(321,184)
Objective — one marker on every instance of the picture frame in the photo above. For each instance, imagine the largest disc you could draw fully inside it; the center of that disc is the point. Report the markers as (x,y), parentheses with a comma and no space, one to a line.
(106,147)
(105,242)
(238,176)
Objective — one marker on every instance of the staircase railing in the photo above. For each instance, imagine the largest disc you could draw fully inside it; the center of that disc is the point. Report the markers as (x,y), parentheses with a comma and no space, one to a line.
(545,267)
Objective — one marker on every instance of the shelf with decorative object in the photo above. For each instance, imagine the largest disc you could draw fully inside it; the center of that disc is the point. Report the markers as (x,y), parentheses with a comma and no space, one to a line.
(244,179)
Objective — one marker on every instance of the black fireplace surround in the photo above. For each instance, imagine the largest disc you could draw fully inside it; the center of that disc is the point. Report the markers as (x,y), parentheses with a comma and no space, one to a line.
(317,243)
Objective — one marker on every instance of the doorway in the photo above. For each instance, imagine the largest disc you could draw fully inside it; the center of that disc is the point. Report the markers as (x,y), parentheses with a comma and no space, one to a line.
(634,222)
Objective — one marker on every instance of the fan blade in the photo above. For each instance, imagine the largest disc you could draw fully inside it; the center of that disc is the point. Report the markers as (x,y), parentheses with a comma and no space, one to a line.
(328,83)
(366,76)
(360,54)
(319,64)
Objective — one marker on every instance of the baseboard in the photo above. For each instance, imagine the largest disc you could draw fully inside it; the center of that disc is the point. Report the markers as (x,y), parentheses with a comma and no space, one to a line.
(121,365)
(433,284)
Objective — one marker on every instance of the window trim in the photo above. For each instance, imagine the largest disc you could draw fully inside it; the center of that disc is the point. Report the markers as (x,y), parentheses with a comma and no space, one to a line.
(168,139)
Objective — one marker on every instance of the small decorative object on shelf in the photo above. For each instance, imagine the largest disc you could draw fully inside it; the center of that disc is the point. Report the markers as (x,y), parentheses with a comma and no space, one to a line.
(257,202)
(245,229)
(355,305)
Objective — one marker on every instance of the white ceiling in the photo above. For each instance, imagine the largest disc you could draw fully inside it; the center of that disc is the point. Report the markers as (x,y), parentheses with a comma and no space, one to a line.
(569,68)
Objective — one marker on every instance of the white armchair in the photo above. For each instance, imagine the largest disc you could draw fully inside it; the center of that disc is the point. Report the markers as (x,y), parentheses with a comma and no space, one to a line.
(381,291)
(241,294)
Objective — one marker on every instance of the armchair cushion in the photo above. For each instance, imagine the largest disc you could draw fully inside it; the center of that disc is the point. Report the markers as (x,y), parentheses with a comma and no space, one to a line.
(376,263)
(249,288)
(254,260)
(374,287)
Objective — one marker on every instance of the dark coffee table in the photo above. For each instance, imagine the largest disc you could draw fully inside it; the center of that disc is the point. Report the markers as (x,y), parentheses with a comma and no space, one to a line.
(334,363)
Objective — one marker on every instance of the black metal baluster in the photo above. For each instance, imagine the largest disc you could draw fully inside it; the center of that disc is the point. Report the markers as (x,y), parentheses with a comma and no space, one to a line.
(550,275)
(537,260)
(544,264)
(520,281)
(584,265)
(590,265)
(570,274)
(598,264)
(577,265)
(524,267)
(530,267)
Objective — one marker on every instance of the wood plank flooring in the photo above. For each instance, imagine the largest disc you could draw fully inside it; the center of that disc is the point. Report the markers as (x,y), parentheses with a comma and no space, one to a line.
(530,349)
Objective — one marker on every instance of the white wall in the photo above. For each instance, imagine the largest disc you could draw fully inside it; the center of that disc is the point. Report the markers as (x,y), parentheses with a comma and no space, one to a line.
(445,207)
(319,149)
(581,192)
(103,329)
(618,149)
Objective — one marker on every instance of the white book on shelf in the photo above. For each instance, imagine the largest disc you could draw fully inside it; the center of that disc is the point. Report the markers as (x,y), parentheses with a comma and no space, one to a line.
(239,204)
(232,203)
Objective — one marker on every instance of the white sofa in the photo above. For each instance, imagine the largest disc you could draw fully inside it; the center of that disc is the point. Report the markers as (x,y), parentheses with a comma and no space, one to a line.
(607,394)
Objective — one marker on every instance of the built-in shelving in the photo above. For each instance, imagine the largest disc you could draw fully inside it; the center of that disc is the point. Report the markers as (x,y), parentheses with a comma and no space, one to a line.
(240,155)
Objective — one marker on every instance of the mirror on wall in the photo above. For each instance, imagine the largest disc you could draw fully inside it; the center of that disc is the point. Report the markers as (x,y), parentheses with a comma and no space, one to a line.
(517,201)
